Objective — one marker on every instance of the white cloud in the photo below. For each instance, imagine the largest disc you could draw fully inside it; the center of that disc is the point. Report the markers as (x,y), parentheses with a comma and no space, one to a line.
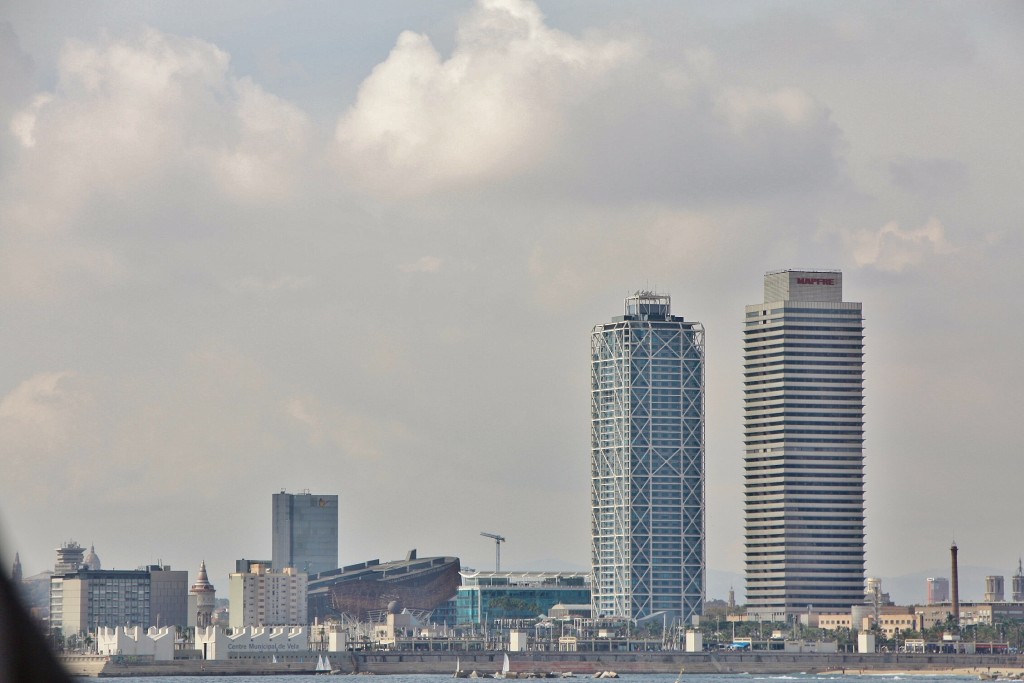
(23,123)
(893,249)
(424,264)
(135,125)
(355,435)
(744,107)
(283,283)
(494,106)
(41,416)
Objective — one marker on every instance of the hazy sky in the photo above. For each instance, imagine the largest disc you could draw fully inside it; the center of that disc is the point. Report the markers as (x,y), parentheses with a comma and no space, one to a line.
(359,247)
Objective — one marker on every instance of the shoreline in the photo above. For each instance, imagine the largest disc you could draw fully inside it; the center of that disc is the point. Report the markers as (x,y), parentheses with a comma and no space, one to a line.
(583,665)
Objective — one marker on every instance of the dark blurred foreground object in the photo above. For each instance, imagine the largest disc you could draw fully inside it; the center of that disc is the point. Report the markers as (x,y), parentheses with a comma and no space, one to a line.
(23,652)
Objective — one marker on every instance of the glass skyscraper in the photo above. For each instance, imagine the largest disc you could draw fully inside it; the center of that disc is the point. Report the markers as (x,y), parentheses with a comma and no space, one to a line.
(804,442)
(305,532)
(647,463)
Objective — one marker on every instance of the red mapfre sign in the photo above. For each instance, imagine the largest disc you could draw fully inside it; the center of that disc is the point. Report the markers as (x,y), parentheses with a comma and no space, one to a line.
(815,280)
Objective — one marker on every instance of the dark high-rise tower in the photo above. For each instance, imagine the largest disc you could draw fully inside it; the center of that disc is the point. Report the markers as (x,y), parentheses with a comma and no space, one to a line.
(804,459)
(647,462)
(305,532)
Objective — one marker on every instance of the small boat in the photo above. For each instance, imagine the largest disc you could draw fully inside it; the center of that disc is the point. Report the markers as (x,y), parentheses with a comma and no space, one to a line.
(459,673)
(505,667)
(322,667)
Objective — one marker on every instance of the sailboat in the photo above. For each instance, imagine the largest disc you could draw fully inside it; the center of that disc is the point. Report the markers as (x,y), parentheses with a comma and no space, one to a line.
(459,673)
(327,664)
(504,668)
(273,659)
(321,667)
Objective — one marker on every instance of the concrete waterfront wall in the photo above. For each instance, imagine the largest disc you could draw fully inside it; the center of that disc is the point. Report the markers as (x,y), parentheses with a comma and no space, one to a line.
(544,662)
(671,662)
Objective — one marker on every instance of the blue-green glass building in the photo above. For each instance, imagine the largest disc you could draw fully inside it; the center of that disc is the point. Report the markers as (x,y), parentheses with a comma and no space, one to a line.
(647,463)
(486,597)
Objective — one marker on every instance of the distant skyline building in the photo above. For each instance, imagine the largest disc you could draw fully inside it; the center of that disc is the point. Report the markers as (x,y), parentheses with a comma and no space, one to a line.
(1017,594)
(202,599)
(995,589)
(804,435)
(937,590)
(85,599)
(486,596)
(647,463)
(70,557)
(264,597)
(305,532)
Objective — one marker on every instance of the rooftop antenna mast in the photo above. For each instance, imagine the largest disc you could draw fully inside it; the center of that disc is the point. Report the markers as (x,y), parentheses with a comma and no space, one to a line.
(497,549)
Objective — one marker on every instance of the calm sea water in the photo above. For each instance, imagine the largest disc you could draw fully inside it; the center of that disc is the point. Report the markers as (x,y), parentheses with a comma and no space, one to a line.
(630,678)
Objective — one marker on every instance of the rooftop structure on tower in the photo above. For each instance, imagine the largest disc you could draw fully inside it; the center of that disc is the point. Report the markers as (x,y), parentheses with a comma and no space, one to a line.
(92,560)
(69,558)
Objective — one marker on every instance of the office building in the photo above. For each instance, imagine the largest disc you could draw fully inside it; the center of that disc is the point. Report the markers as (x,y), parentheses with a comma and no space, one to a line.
(1017,583)
(305,532)
(804,457)
(647,463)
(490,597)
(264,597)
(86,599)
(937,590)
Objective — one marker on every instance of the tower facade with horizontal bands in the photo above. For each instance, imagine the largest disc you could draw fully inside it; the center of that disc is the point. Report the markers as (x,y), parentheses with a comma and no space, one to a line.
(804,446)
(647,463)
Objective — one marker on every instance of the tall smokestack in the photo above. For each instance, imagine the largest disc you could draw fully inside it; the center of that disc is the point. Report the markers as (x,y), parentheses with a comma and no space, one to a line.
(955,580)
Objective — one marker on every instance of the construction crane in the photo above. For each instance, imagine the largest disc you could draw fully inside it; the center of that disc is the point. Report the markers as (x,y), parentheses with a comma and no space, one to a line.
(497,549)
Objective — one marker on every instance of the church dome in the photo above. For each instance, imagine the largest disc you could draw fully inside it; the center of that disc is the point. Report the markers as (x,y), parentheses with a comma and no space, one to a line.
(92,560)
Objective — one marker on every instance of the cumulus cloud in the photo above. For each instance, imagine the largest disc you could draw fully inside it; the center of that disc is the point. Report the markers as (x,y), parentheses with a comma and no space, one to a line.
(41,409)
(134,125)
(493,107)
(597,116)
(424,264)
(283,283)
(357,435)
(894,249)
(930,178)
(127,109)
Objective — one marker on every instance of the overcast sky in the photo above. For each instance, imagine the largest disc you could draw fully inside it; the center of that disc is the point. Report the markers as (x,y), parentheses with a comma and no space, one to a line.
(359,248)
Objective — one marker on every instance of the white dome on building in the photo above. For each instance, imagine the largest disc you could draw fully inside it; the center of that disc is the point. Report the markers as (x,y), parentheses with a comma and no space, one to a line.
(92,560)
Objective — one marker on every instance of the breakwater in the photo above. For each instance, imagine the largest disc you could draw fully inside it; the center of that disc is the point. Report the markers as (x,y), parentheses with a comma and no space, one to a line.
(558,662)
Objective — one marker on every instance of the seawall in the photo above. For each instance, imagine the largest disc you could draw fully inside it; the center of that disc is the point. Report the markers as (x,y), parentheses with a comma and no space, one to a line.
(558,662)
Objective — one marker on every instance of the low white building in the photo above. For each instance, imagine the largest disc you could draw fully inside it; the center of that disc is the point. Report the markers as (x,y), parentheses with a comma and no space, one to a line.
(249,642)
(125,640)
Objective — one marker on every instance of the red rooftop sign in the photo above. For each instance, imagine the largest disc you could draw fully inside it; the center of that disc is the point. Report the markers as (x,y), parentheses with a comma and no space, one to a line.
(815,280)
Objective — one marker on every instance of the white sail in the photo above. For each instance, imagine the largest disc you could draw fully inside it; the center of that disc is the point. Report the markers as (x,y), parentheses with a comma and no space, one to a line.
(505,665)
(327,663)
(320,663)
(273,659)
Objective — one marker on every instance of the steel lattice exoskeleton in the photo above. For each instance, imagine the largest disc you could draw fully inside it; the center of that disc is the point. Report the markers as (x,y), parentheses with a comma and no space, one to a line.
(647,462)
